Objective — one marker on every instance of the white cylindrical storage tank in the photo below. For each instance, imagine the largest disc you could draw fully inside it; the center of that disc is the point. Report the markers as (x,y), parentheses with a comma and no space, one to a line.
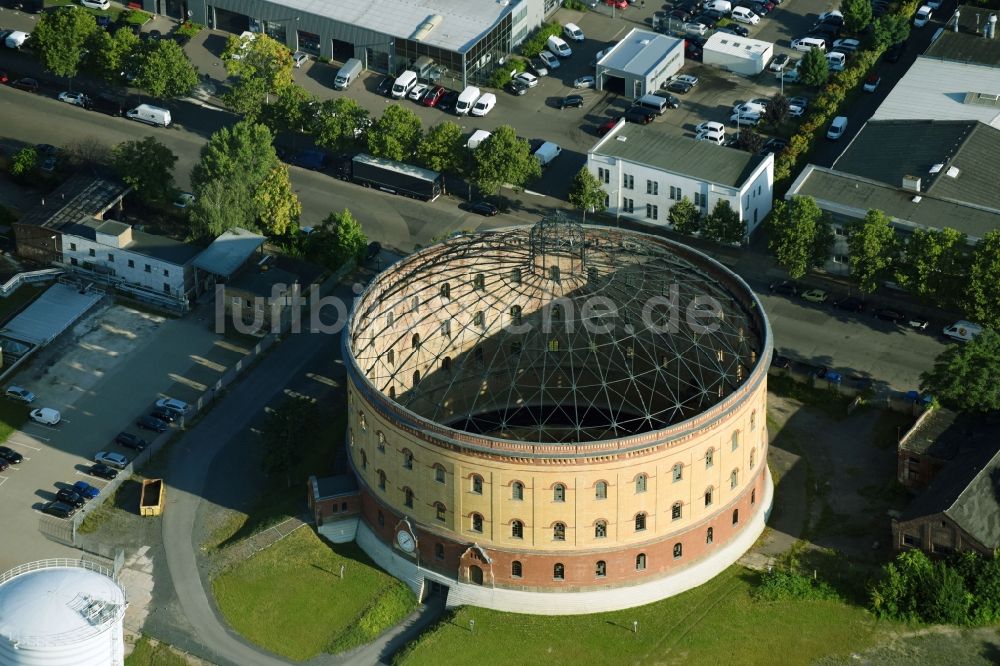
(61,612)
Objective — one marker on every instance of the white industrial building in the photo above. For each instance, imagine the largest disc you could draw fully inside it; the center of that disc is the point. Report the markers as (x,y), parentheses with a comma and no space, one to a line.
(61,611)
(640,63)
(645,171)
(740,55)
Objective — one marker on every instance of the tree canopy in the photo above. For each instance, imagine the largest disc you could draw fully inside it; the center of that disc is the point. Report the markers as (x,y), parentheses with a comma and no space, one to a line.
(815,68)
(339,123)
(966,377)
(59,39)
(723,224)
(396,134)
(147,166)
(337,240)
(443,149)
(872,244)
(291,110)
(284,429)
(685,217)
(504,159)
(165,72)
(983,288)
(110,55)
(585,192)
(935,265)
(890,29)
(857,15)
(799,235)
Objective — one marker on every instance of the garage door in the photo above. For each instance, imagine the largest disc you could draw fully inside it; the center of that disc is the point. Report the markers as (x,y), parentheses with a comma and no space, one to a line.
(231,21)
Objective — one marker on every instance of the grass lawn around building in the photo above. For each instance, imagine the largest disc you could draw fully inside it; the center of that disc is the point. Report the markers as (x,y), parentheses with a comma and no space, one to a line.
(716,623)
(290,598)
(150,653)
(13,415)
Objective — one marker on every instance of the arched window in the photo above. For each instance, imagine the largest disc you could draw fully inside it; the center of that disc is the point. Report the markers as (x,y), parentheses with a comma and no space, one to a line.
(392,392)
(554,273)
(515,275)
(390,319)
(446,328)
(559,532)
(709,535)
(407,459)
(753,420)
(709,456)
(439,473)
(640,562)
(516,571)
(381,480)
(708,496)
(678,472)
(477,484)
(381,441)
(678,551)
(439,551)
(416,304)
(601,570)
(601,490)
(479,282)
(446,364)
(415,341)
(364,460)
(440,510)
(753,497)
(477,523)
(446,290)
(517,529)
(391,356)
(416,378)
(734,477)
(362,421)
(753,456)
(640,483)
(477,354)
(675,511)
(381,519)
(408,497)
(559,572)
(600,529)
(559,493)
(517,490)
(736,439)
(515,314)
(640,522)
(736,516)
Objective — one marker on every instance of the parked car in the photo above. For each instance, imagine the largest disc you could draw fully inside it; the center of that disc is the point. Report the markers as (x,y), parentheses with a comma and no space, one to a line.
(165,415)
(872,81)
(434,96)
(516,87)
(19,394)
(538,67)
(102,471)
(528,78)
(846,45)
(299,58)
(417,91)
(75,98)
(4,79)
(584,82)
(385,86)
(895,52)
(70,497)
(736,29)
(130,441)
(785,288)
(607,126)
(45,416)
(815,296)
(59,509)
(173,404)
(103,5)
(778,63)
(448,100)
(888,314)
(26,84)
(148,422)
(678,87)
(709,126)
(923,16)
(10,455)
(639,115)
(111,459)
(484,208)
(4,465)
(570,102)
(551,61)
(85,490)
(850,304)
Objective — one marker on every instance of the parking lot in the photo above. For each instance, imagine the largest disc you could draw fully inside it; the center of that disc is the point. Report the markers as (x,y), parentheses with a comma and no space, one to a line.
(101,376)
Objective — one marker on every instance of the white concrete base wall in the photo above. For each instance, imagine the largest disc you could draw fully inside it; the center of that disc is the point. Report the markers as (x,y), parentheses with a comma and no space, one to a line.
(340,531)
(571,603)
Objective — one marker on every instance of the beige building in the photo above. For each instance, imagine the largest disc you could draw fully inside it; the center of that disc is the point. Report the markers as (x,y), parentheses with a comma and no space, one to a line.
(558,418)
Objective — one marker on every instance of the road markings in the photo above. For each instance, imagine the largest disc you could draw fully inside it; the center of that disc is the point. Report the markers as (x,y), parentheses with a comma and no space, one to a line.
(3,480)
(26,445)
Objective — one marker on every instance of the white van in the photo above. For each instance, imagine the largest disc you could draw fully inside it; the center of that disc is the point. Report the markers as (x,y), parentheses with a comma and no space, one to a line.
(16,39)
(404,84)
(149,114)
(477,138)
(837,128)
(724,6)
(653,103)
(572,31)
(809,43)
(559,46)
(547,152)
(923,16)
(351,70)
(963,331)
(465,101)
(744,15)
(484,104)
(836,61)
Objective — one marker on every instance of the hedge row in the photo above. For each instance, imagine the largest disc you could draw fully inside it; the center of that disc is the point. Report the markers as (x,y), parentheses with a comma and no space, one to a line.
(829,104)
(535,44)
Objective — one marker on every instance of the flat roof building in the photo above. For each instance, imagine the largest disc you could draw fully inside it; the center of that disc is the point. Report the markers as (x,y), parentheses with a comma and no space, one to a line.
(640,63)
(740,55)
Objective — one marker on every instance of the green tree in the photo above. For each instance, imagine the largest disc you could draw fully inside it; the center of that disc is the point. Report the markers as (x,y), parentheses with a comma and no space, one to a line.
(110,55)
(585,192)
(23,163)
(165,72)
(291,111)
(982,292)
(504,159)
(396,134)
(896,594)
(59,39)
(338,124)
(872,245)
(442,148)
(723,224)
(815,68)
(260,58)
(275,204)
(685,217)
(284,430)
(147,166)
(777,110)
(935,265)
(967,377)
(247,97)
(857,15)
(799,235)
(890,29)
(220,206)
(337,240)
(750,140)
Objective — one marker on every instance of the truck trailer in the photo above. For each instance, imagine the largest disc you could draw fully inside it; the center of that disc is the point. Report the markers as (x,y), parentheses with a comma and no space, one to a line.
(390,176)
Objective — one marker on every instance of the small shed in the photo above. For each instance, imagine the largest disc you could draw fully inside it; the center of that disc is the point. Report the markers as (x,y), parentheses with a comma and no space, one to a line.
(640,63)
(740,55)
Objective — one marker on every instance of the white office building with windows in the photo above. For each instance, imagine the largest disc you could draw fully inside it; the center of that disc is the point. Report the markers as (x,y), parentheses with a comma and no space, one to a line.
(644,170)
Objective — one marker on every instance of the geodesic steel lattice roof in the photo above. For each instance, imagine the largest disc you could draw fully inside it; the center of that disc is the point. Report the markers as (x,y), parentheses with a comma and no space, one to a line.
(557,333)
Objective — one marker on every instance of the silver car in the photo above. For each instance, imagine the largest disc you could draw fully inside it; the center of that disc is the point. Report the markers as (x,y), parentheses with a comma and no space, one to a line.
(20,394)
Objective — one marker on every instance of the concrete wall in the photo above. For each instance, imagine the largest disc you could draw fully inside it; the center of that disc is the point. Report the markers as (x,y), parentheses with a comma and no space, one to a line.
(180,279)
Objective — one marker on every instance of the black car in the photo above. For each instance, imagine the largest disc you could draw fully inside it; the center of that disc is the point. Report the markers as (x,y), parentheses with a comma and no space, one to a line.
(113,105)
(713,14)
(850,304)
(130,441)
(888,314)
(149,422)
(895,52)
(693,52)
(3,465)
(59,509)
(774,146)
(10,455)
(678,15)
(70,497)
(738,29)
(516,87)
(672,102)
(102,471)
(570,102)
(537,67)
(165,415)
(681,87)
(385,86)
(484,208)
(26,84)
(448,101)
(785,288)
(639,115)
(705,20)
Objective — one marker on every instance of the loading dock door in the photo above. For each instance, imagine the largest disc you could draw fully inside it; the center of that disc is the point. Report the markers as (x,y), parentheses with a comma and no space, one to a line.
(231,21)
(615,84)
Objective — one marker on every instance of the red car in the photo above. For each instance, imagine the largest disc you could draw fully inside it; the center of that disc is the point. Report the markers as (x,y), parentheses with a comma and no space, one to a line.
(607,126)
(3,77)
(432,97)
(620,4)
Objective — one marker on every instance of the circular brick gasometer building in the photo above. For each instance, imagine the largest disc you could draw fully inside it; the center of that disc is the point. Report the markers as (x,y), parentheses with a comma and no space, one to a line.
(558,418)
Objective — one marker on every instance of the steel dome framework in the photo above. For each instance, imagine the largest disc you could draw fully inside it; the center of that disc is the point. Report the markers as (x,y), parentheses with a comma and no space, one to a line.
(557,332)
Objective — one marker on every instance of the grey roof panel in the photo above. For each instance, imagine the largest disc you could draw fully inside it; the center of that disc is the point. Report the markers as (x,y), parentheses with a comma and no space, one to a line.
(51,313)
(80,196)
(639,52)
(968,44)
(938,89)
(229,251)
